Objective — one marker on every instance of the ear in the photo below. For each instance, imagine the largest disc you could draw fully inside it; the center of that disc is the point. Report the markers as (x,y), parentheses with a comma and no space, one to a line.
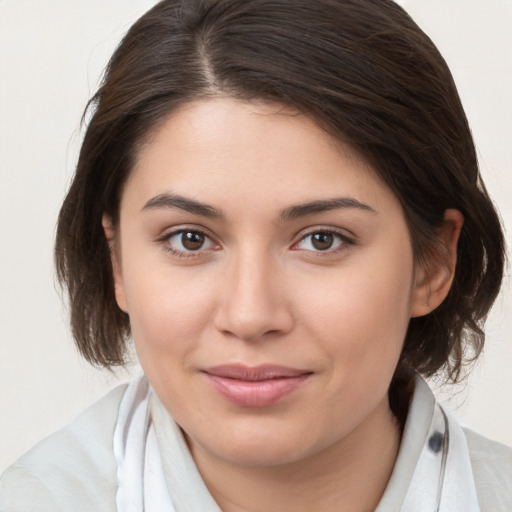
(115,258)
(434,277)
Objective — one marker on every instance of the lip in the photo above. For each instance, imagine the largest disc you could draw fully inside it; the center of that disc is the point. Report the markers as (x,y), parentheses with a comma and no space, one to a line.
(258,386)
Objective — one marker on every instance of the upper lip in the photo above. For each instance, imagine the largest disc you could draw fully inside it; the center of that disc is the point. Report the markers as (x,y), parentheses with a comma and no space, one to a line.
(254,373)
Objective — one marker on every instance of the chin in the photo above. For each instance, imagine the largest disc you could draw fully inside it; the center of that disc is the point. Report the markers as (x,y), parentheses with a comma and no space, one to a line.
(260,447)
(262,455)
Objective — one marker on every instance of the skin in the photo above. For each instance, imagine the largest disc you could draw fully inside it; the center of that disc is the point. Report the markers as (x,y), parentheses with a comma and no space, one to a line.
(258,291)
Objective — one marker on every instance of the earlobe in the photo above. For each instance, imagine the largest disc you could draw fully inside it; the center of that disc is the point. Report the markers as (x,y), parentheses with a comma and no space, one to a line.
(434,278)
(115,259)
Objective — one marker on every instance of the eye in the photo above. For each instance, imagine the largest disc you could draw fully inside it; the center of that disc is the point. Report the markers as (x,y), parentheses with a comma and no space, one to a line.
(322,241)
(188,240)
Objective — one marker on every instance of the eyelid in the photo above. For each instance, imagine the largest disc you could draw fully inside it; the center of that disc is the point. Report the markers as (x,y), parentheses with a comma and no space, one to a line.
(173,230)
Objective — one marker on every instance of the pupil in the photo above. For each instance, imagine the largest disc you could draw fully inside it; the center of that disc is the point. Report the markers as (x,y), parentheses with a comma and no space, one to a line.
(192,241)
(322,241)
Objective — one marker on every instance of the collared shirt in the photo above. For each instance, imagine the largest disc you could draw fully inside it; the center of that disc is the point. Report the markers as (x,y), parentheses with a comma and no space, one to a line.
(76,468)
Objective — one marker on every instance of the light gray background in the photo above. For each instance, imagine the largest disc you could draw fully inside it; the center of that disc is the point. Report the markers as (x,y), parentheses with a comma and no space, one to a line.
(51,57)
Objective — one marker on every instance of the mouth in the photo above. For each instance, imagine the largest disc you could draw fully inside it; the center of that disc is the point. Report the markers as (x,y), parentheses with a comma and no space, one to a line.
(259,386)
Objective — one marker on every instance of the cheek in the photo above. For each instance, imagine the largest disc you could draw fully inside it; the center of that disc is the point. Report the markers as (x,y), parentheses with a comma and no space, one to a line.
(362,309)
(168,309)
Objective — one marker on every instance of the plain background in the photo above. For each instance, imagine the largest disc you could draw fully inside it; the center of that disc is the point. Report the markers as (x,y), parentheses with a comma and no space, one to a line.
(51,57)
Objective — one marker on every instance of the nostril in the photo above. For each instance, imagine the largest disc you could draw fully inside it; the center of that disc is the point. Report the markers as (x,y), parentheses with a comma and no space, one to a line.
(250,326)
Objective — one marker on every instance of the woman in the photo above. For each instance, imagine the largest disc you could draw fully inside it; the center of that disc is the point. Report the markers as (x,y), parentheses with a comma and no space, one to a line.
(279,201)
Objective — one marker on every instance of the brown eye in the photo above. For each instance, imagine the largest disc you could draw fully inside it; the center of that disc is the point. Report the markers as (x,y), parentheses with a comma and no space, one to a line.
(192,240)
(322,241)
(188,241)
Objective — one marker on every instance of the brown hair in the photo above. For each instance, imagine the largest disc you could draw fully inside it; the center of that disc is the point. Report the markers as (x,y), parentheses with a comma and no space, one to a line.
(363,70)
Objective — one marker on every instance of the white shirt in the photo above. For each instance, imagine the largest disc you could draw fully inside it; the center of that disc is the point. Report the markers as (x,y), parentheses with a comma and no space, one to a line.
(75,469)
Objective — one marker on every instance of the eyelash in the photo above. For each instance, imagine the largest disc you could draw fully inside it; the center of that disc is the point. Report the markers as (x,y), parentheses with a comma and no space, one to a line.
(343,239)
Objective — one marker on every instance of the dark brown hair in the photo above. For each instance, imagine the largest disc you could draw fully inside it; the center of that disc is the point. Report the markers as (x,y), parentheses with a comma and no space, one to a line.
(363,70)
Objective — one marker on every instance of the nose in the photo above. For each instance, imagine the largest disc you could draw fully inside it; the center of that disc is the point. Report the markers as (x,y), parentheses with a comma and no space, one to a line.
(253,301)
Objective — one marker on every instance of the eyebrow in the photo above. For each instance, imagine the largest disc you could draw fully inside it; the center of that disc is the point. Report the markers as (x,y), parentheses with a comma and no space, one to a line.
(175,201)
(324,205)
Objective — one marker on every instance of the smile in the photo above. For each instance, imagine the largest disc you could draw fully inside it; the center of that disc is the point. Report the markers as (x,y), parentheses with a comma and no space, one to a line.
(255,386)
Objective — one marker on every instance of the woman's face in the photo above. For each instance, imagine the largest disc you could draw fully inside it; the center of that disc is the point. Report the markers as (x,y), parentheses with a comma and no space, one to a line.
(269,279)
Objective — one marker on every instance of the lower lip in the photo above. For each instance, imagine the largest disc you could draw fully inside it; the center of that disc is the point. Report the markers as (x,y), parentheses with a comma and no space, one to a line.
(260,393)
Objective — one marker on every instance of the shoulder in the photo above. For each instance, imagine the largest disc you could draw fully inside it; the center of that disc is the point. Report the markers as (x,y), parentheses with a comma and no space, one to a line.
(492,470)
(73,469)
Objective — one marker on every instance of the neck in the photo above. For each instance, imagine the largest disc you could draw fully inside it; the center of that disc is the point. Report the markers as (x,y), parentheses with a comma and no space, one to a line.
(350,475)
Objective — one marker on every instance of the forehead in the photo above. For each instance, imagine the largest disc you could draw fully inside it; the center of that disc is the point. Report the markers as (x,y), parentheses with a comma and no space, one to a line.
(258,152)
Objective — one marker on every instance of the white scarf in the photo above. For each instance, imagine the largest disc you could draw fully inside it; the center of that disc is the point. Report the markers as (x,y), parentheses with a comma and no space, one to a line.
(141,482)
(438,475)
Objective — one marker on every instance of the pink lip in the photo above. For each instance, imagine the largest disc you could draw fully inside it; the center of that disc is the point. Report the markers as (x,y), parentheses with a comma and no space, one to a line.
(258,386)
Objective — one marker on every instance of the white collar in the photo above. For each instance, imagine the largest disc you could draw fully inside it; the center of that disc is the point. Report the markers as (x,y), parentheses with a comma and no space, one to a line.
(432,472)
